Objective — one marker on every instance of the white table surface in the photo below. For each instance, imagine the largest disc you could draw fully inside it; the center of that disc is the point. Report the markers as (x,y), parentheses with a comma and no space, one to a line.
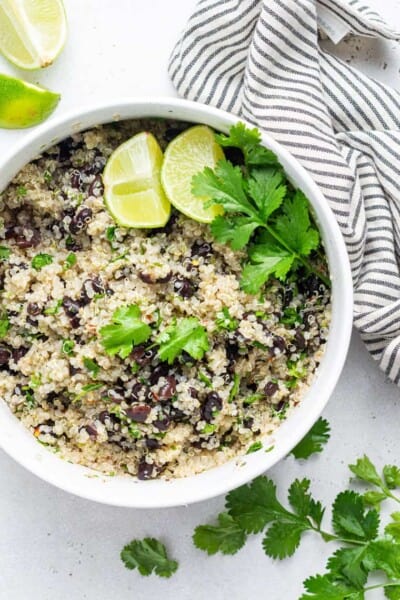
(54,546)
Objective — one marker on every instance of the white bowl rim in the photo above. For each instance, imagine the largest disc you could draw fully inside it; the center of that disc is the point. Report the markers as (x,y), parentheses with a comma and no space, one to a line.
(18,443)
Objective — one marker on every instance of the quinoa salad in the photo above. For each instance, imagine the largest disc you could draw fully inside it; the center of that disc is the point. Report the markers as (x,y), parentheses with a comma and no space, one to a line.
(67,271)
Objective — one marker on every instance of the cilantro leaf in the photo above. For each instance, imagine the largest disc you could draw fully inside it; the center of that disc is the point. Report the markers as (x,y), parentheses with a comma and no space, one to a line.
(41,260)
(255,505)
(148,556)
(226,537)
(4,253)
(267,191)
(384,555)
(314,440)
(255,447)
(391,475)
(283,538)
(249,142)
(236,231)
(348,562)
(392,592)
(127,330)
(393,528)
(324,587)
(350,519)
(187,334)
(91,365)
(303,503)
(225,321)
(294,226)
(70,261)
(267,258)
(225,186)
(365,470)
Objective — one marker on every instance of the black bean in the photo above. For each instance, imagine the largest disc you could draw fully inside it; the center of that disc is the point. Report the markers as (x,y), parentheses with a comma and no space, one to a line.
(248,422)
(95,167)
(138,413)
(24,236)
(309,286)
(76,179)
(177,415)
(280,406)
(80,221)
(116,394)
(33,309)
(75,322)
(142,355)
(64,149)
(193,392)
(160,370)
(168,389)
(96,188)
(71,307)
(278,344)
(184,287)
(270,388)
(152,444)
(145,470)
(5,355)
(31,321)
(201,248)
(136,392)
(145,277)
(163,423)
(105,416)
(91,430)
(232,352)
(73,370)
(90,287)
(18,353)
(299,340)
(212,403)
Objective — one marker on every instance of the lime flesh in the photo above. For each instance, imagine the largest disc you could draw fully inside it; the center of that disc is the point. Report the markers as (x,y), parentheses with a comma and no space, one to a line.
(188,154)
(132,187)
(32,32)
(23,104)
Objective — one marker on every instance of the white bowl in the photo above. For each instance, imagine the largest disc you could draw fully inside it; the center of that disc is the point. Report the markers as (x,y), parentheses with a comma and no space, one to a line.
(126,491)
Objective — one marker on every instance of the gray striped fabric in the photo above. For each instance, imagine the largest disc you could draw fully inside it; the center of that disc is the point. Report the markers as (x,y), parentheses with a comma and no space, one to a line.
(262,60)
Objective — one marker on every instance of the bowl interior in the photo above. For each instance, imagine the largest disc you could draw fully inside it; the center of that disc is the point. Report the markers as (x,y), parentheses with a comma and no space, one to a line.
(126,491)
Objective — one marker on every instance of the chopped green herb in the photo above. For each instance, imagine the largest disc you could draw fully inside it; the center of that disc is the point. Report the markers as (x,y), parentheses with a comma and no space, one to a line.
(186,335)
(70,261)
(4,253)
(91,365)
(235,388)
(208,429)
(4,326)
(126,331)
(21,191)
(91,387)
(47,176)
(30,401)
(253,398)
(119,257)
(314,441)
(41,260)
(225,321)
(110,233)
(148,556)
(53,310)
(206,380)
(67,347)
(134,432)
(290,316)
(254,447)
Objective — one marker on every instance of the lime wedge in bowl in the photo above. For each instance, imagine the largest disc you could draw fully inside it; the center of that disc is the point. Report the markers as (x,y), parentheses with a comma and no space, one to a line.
(23,104)
(188,154)
(132,188)
(32,32)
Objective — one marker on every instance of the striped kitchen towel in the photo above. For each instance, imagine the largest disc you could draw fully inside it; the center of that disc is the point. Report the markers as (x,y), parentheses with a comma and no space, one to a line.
(261,59)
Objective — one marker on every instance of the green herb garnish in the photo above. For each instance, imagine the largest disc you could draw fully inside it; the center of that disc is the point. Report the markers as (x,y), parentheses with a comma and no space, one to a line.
(91,365)
(255,447)
(91,387)
(126,331)
(41,260)
(67,347)
(70,261)
(21,191)
(4,326)
(148,556)
(258,199)
(185,335)
(206,380)
(235,388)
(110,233)
(53,310)
(4,253)
(314,441)
(225,321)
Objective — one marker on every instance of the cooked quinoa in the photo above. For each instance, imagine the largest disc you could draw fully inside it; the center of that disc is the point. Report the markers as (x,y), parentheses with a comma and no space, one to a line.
(139,415)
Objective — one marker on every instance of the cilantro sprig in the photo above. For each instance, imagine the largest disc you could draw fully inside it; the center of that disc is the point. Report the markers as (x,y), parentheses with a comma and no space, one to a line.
(126,330)
(314,441)
(148,556)
(262,212)
(185,335)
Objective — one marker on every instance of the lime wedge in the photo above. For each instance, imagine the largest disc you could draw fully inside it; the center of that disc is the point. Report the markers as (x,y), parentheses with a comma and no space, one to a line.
(32,32)
(132,188)
(188,154)
(23,104)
